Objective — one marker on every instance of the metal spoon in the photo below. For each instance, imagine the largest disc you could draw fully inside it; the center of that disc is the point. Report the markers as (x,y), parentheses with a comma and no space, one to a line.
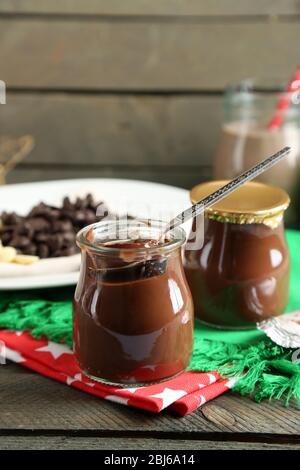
(224,191)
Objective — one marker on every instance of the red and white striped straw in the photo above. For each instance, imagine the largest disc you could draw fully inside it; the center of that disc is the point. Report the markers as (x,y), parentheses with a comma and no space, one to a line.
(284,101)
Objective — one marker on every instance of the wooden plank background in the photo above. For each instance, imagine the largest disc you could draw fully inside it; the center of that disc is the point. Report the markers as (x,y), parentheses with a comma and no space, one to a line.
(158,8)
(133,89)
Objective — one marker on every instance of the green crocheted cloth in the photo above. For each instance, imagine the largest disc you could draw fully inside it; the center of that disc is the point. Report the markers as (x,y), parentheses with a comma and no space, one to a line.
(266,370)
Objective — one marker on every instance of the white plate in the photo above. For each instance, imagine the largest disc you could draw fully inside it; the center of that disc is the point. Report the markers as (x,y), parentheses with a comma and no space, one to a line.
(139,198)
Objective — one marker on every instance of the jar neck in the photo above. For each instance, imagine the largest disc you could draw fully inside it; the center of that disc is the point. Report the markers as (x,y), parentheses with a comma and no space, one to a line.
(212,226)
(255,103)
(272,220)
(121,257)
(129,240)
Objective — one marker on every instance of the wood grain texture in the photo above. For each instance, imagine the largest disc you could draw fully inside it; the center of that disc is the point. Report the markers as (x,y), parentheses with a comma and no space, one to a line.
(98,443)
(115,130)
(184,177)
(31,403)
(150,7)
(131,55)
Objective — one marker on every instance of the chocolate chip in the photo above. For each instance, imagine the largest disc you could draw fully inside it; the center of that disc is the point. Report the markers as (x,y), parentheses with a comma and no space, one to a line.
(7,228)
(63,225)
(67,205)
(132,272)
(52,214)
(6,238)
(43,250)
(55,242)
(39,209)
(90,201)
(79,217)
(18,241)
(80,203)
(25,229)
(155,267)
(90,216)
(41,237)
(68,251)
(47,230)
(39,224)
(30,250)
(10,218)
(68,238)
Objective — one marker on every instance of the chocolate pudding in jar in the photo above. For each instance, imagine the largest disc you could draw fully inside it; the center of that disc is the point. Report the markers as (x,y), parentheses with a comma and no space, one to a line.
(133,310)
(240,275)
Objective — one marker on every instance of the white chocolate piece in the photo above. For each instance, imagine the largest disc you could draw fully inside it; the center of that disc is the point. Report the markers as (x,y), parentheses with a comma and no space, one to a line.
(25,259)
(7,254)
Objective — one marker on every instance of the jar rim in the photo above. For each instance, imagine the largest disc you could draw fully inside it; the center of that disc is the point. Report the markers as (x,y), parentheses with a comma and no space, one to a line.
(177,236)
(253,202)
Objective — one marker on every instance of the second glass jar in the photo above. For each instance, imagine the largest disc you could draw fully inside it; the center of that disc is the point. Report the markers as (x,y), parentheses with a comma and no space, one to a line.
(240,275)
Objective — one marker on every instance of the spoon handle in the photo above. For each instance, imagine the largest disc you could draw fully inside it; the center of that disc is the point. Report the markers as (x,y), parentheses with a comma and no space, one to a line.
(222,192)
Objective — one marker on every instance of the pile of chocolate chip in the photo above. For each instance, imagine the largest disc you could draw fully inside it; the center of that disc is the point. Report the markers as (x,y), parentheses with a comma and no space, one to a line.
(49,231)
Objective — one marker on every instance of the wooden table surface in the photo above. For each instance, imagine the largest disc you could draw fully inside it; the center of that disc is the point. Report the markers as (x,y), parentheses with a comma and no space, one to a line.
(39,413)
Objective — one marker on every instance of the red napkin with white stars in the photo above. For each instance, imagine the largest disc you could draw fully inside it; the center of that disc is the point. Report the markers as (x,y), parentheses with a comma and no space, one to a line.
(183,394)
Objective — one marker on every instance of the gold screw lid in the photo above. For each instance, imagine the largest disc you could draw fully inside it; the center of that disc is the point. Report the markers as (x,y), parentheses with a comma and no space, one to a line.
(251,203)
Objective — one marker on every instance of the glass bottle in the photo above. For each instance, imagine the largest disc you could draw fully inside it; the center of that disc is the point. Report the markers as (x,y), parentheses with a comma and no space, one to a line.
(246,139)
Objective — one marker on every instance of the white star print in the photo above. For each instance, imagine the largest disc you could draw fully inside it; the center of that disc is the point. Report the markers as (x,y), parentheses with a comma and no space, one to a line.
(55,349)
(90,384)
(70,380)
(202,400)
(129,389)
(122,400)
(211,378)
(13,355)
(77,378)
(169,396)
(231,382)
(133,389)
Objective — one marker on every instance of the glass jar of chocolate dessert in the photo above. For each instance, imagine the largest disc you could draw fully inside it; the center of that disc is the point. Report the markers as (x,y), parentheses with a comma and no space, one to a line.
(240,274)
(133,310)
(248,136)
